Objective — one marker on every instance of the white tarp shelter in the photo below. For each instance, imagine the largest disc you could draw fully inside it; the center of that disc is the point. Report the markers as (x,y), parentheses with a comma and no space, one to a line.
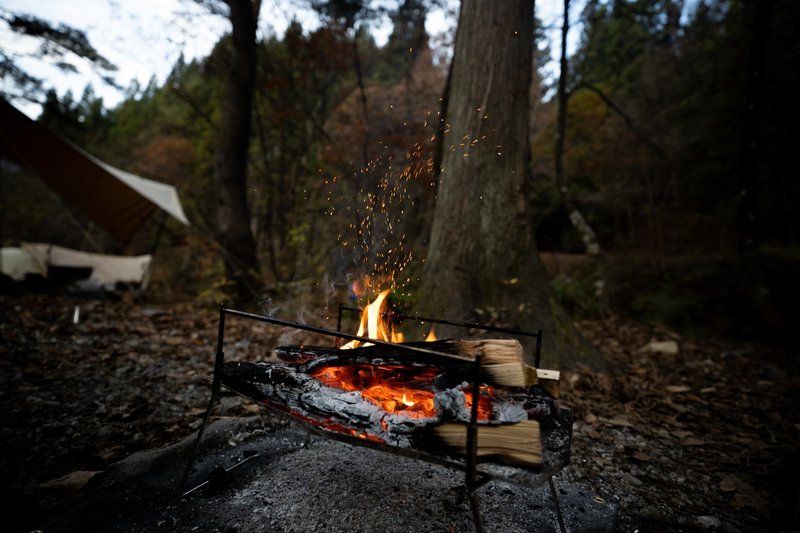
(17,264)
(106,270)
(116,200)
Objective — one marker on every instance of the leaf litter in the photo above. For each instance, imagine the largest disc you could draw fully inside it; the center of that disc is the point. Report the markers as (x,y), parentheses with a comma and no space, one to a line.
(705,437)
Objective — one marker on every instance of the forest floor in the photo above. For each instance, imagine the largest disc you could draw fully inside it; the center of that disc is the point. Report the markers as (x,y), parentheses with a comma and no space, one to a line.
(703,437)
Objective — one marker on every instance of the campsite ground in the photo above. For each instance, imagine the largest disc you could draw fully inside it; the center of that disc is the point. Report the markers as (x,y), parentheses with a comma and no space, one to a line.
(705,438)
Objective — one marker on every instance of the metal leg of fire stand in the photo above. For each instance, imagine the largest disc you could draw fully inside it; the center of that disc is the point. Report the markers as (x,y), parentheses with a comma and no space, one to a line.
(339,324)
(537,358)
(557,503)
(472,449)
(216,385)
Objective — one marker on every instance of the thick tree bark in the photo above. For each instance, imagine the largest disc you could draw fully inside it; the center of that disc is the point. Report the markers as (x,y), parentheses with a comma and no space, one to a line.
(233,138)
(482,259)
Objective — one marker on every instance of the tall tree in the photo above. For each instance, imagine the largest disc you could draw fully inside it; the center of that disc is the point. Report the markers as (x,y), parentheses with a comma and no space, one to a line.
(482,258)
(575,216)
(233,139)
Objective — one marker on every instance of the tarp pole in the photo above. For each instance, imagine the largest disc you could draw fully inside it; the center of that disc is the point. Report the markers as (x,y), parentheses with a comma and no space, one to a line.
(159,232)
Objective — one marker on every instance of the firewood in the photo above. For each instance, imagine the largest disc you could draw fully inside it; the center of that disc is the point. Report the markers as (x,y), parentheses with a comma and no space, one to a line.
(501,360)
(493,351)
(511,437)
(518,443)
(548,380)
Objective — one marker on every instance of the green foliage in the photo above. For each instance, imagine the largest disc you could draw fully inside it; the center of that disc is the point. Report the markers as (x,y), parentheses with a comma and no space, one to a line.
(662,305)
(216,291)
(579,296)
(617,37)
(407,40)
(654,129)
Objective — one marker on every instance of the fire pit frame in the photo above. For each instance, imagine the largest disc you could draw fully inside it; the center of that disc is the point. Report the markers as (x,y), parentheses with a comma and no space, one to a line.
(472,479)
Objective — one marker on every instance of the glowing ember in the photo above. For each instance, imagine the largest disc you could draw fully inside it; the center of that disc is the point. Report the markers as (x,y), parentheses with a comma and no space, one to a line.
(396,389)
(327,423)
(484,401)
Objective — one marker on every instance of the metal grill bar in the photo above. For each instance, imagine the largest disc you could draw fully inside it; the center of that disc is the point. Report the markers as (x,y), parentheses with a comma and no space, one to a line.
(341,335)
(537,355)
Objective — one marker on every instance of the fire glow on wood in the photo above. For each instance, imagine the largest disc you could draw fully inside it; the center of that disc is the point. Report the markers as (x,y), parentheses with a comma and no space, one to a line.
(393,395)
(397,389)
(394,388)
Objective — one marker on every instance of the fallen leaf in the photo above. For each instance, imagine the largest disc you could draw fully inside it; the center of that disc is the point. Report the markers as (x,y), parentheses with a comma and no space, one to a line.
(594,435)
(693,441)
(663,347)
(71,482)
(677,388)
(747,496)
(728,483)
(252,408)
(641,456)
(619,420)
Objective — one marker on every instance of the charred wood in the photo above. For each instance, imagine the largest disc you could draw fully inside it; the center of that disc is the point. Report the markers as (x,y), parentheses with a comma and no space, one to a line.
(509,435)
(501,358)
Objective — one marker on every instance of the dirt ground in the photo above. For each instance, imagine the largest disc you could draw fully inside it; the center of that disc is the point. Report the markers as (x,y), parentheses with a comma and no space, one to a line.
(685,434)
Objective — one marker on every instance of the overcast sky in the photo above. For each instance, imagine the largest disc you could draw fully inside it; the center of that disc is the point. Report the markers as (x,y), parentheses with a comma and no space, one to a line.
(144,38)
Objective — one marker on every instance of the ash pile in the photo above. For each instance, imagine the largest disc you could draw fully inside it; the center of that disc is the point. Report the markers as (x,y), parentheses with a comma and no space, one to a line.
(260,474)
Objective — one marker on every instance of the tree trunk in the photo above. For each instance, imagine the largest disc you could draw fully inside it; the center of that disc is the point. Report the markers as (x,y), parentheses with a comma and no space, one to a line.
(230,169)
(577,219)
(482,259)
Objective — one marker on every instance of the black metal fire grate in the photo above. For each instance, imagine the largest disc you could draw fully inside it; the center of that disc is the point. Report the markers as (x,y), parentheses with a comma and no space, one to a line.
(556,431)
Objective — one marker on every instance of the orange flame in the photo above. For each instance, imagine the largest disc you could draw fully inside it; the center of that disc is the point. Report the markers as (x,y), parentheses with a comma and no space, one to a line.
(403,390)
(374,323)
(396,389)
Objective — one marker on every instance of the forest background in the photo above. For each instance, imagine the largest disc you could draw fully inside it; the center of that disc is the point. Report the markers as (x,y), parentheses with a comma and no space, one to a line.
(680,125)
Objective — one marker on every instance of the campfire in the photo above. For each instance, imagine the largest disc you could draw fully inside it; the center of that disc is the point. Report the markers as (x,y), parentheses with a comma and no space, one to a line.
(415,397)
(473,405)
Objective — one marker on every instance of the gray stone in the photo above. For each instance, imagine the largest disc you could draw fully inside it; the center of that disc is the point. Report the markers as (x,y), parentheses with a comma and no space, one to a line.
(708,522)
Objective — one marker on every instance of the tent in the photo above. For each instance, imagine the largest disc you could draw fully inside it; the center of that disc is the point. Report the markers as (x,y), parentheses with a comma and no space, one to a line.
(116,200)
(64,265)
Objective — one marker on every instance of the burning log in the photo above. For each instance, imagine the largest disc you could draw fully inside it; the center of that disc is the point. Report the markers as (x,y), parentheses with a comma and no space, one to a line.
(398,403)
(502,362)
